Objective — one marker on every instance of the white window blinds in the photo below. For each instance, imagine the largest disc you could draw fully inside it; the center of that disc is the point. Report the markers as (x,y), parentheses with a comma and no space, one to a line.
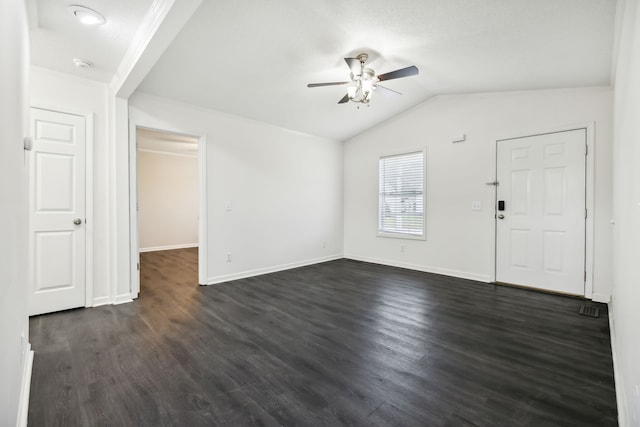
(401,203)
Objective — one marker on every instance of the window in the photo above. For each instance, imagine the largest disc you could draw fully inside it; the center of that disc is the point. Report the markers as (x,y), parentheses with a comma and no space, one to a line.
(401,203)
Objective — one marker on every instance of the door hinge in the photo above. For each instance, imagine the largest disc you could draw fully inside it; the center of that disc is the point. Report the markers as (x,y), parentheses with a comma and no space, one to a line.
(585,276)
(585,214)
(586,150)
(138,266)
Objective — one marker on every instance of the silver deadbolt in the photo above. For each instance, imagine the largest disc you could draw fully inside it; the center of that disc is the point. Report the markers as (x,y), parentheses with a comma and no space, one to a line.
(77,221)
(500,216)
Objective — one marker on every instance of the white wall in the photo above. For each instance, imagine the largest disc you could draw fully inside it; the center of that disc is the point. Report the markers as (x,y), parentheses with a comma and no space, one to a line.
(62,92)
(284,189)
(14,323)
(167,200)
(626,211)
(459,241)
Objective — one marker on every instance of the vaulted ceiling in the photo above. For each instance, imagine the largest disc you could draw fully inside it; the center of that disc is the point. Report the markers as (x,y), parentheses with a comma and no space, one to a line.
(254,59)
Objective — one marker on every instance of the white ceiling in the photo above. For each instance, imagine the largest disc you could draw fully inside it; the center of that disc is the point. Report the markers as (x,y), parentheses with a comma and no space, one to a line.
(254,59)
(57,36)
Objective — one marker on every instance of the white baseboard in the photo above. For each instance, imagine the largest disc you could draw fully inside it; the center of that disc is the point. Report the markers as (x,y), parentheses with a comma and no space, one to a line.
(169,247)
(25,389)
(621,396)
(604,298)
(424,268)
(97,302)
(257,272)
(122,299)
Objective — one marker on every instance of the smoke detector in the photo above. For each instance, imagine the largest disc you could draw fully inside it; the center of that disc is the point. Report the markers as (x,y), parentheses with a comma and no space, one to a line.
(82,63)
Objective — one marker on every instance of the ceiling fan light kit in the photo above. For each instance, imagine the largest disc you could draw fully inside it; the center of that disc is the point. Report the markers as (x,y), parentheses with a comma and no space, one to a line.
(364,80)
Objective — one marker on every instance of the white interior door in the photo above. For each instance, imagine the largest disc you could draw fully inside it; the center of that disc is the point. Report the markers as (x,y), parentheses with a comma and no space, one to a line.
(540,229)
(57,212)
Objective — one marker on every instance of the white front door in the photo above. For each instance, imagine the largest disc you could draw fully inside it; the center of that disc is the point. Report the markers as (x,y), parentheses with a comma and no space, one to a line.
(540,211)
(57,212)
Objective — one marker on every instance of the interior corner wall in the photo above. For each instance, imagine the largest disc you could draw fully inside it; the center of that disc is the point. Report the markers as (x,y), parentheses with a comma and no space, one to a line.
(167,201)
(459,241)
(274,197)
(70,94)
(626,212)
(14,323)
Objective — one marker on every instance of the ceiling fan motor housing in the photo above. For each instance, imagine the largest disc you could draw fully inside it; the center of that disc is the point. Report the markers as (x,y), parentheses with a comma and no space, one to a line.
(365,74)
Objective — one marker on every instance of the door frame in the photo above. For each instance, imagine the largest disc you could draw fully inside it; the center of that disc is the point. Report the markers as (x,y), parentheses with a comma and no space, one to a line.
(589,127)
(134,124)
(88,197)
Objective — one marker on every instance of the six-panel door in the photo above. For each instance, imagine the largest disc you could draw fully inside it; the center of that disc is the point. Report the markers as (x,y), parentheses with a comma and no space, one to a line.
(57,212)
(540,234)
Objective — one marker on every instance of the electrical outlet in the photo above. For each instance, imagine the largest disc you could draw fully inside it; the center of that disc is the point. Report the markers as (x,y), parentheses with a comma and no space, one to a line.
(476,206)
(401,248)
(228,256)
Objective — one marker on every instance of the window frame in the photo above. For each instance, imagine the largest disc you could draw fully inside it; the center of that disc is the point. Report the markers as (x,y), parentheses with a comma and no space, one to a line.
(399,235)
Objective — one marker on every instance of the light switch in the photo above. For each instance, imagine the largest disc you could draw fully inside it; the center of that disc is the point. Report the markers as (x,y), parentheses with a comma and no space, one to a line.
(476,206)
(227,207)
(459,138)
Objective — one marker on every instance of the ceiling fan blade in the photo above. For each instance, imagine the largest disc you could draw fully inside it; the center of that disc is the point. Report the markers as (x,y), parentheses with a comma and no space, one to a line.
(386,88)
(403,72)
(354,65)
(344,99)
(326,84)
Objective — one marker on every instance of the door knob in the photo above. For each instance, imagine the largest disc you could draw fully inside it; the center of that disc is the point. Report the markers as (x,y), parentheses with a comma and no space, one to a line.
(77,221)
(500,216)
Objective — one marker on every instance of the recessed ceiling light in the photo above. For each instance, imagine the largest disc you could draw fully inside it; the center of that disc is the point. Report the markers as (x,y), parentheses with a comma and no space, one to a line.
(82,63)
(87,16)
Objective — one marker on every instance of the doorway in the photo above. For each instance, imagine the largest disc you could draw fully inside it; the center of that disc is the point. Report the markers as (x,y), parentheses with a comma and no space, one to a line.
(541,214)
(167,187)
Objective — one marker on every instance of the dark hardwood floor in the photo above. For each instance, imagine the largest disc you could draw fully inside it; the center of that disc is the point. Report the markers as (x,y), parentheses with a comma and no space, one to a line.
(338,343)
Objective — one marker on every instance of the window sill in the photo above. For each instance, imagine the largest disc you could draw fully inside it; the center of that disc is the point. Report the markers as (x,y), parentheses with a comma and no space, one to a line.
(402,236)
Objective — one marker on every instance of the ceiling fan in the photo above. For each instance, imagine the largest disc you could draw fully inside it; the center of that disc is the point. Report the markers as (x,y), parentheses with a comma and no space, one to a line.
(364,80)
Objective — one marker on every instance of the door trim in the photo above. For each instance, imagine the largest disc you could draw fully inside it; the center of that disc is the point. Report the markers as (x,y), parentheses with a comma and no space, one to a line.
(589,127)
(89,211)
(133,197)
(89,132)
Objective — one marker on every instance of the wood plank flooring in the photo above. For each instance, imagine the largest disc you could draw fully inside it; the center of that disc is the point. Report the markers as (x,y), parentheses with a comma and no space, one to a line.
(338,343)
